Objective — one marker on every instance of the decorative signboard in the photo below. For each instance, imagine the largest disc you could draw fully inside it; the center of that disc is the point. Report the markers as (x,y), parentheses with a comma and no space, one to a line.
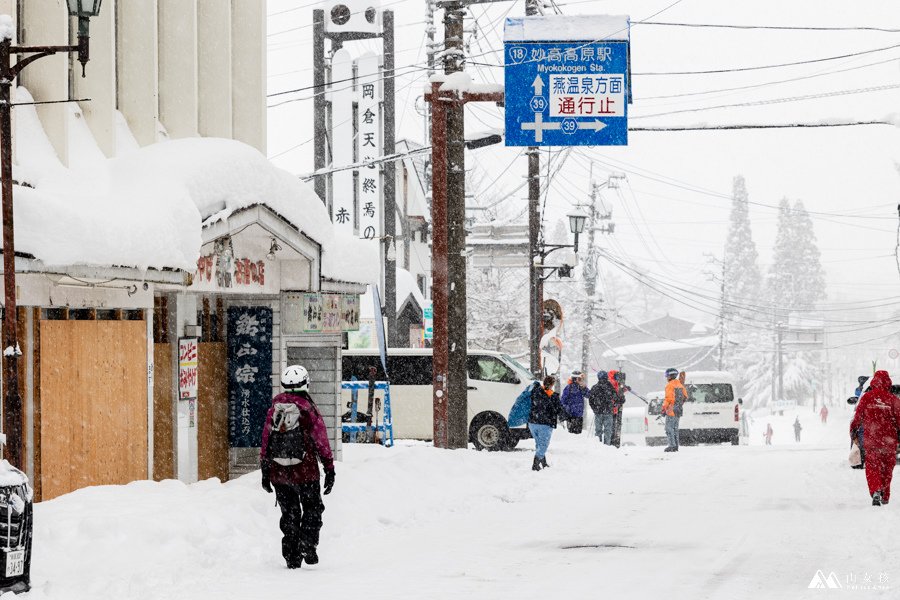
(187,368)
(567,81)
(349,313)
(249,374)
(313,313)
(331,313)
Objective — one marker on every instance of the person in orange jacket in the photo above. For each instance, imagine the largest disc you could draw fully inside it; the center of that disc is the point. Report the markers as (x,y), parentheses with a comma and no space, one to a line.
(672,407)
(877,413)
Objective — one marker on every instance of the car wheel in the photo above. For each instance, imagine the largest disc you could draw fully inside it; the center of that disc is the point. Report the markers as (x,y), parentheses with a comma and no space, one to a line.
(490,432)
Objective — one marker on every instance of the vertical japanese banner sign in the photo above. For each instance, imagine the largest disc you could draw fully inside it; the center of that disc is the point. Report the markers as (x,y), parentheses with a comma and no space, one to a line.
(369,142)
(342,140)
(249,373)
(187,368)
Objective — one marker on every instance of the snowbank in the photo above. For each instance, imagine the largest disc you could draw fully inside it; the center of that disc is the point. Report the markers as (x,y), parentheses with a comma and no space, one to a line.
(560,28)
(145,208)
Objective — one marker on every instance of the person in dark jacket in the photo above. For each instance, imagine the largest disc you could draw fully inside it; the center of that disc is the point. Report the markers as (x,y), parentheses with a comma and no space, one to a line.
(602,399)
(573,397)
(878,413)
(546,410)
(296,478)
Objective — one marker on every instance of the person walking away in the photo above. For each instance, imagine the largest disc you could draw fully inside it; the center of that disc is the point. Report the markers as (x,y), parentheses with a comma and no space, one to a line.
(878,412)
(546,409)
(294,440)
(617,380)
(601,399)
(768,434)
(824,414)
(673,407)
(573,397)
(797,428)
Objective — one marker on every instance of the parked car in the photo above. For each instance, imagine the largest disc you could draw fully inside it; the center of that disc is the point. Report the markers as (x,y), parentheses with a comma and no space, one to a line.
(494,382)
(711,414)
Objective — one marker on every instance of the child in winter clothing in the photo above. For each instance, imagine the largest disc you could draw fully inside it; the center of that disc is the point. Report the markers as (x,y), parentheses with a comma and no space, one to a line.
(546,409)
(296,478)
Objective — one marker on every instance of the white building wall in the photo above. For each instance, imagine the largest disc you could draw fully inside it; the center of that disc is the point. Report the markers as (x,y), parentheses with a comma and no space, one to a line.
(178,70)
(136,66)
(46,22)
(99,84)
(214,67)
(248,67)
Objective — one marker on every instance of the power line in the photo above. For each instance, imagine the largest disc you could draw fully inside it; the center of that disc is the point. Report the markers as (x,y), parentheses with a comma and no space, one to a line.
(775,66)
(775,27)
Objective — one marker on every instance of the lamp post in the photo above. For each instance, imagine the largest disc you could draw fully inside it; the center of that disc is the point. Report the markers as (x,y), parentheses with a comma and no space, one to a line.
(84,10)
(577,220)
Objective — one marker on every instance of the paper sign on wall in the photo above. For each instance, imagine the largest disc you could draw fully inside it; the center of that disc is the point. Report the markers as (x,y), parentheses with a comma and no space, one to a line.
(331,313)
(349,313)
(187,368)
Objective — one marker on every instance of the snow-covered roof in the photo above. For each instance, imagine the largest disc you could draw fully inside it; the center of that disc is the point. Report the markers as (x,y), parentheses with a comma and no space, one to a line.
(145,208)
(406,287)
(662,346)
(562,28)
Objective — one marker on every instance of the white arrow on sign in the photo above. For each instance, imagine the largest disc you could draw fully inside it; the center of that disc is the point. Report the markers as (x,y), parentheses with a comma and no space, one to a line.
(538,86)
(539,127)
(595,125)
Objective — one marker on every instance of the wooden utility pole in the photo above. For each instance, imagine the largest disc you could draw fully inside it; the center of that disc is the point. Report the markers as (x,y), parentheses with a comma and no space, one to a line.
(395,339)
(536,285)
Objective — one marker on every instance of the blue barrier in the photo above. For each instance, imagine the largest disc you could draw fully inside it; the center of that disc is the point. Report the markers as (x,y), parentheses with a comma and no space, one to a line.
(387,426)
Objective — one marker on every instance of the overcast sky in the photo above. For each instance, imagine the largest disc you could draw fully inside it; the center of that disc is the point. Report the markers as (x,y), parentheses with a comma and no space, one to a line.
(675,205)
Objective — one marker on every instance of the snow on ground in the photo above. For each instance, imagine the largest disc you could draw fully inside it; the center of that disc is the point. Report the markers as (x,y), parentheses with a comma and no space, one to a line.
(414,522)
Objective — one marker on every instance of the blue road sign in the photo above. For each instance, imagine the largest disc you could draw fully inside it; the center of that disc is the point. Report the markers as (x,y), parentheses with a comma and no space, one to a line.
(566,93)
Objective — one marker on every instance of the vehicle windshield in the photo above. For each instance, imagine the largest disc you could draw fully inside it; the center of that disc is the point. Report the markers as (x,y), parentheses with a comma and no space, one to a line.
(526,375)
(706,393)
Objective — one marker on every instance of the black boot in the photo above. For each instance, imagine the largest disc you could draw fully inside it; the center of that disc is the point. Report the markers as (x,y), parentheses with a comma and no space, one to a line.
(310,556)
(536,465)
(544,462)
(876,498)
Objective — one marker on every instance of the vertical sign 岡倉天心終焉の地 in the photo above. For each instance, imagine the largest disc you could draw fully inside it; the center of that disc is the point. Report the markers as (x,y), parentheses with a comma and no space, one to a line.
(249,373)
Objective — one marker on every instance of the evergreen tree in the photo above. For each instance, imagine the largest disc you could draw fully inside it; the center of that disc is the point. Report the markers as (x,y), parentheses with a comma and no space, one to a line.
(781,283)
(809,277)
(742,276)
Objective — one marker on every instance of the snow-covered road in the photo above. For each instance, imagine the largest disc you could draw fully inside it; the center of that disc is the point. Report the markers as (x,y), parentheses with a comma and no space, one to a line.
(414,522)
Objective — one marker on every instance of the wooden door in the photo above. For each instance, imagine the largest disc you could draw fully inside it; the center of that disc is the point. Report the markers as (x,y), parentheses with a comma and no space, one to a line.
(212,411)
(93,404)
(163,413)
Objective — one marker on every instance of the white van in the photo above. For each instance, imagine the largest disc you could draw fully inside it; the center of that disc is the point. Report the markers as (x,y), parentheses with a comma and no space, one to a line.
(634,426)
(711,414)
(495,380)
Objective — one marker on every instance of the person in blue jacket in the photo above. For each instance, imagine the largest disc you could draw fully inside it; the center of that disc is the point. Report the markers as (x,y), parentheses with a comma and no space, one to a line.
(573,398)
(546,409)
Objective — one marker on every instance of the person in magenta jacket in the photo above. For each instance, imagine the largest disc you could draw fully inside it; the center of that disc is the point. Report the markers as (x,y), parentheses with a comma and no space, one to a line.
(292,467)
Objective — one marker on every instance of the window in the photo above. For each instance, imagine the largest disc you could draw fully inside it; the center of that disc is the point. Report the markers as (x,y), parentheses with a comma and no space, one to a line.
(488,368)
(707,393)
(404,370)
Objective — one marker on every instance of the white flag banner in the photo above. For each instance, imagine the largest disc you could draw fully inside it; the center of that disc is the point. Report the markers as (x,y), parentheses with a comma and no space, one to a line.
(342,147)
(369,145)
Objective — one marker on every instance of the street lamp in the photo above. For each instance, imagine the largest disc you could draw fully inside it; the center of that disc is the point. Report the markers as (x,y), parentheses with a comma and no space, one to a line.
(84,10)
(577,219)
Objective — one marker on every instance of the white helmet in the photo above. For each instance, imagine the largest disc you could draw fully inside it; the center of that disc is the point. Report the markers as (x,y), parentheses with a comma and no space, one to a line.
(294,377)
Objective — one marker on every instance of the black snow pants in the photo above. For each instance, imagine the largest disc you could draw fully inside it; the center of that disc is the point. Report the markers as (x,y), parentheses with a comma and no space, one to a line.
(301,518)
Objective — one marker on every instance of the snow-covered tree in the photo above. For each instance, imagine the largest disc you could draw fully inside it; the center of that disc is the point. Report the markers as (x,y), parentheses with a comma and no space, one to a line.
(497,307)
(809,277)
(742,276)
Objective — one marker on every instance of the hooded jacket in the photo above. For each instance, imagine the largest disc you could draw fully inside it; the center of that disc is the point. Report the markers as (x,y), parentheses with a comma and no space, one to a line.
(877,412)
(573,399)
(545,408)
(603,395)
(316,442)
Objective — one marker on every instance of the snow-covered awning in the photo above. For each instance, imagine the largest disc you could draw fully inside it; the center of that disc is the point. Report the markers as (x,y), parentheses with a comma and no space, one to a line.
(662,346)
(562,28)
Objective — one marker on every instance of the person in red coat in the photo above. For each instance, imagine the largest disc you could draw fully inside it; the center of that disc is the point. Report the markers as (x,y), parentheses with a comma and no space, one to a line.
(877,413)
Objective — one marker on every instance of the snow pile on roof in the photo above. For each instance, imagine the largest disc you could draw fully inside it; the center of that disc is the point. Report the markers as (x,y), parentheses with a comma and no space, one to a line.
(406,287)
(562,28)
(663,346)
(145,208)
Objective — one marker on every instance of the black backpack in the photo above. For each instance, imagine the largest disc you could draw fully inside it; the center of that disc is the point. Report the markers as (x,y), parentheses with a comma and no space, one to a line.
(287,440)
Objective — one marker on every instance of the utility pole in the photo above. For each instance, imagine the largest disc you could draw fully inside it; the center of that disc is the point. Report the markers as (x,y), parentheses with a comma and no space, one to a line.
(319,106)
(590,271)
(536,286)
(395,340)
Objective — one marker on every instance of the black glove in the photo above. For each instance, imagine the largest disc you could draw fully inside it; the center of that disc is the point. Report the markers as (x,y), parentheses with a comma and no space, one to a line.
(329,482)
(266,484)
